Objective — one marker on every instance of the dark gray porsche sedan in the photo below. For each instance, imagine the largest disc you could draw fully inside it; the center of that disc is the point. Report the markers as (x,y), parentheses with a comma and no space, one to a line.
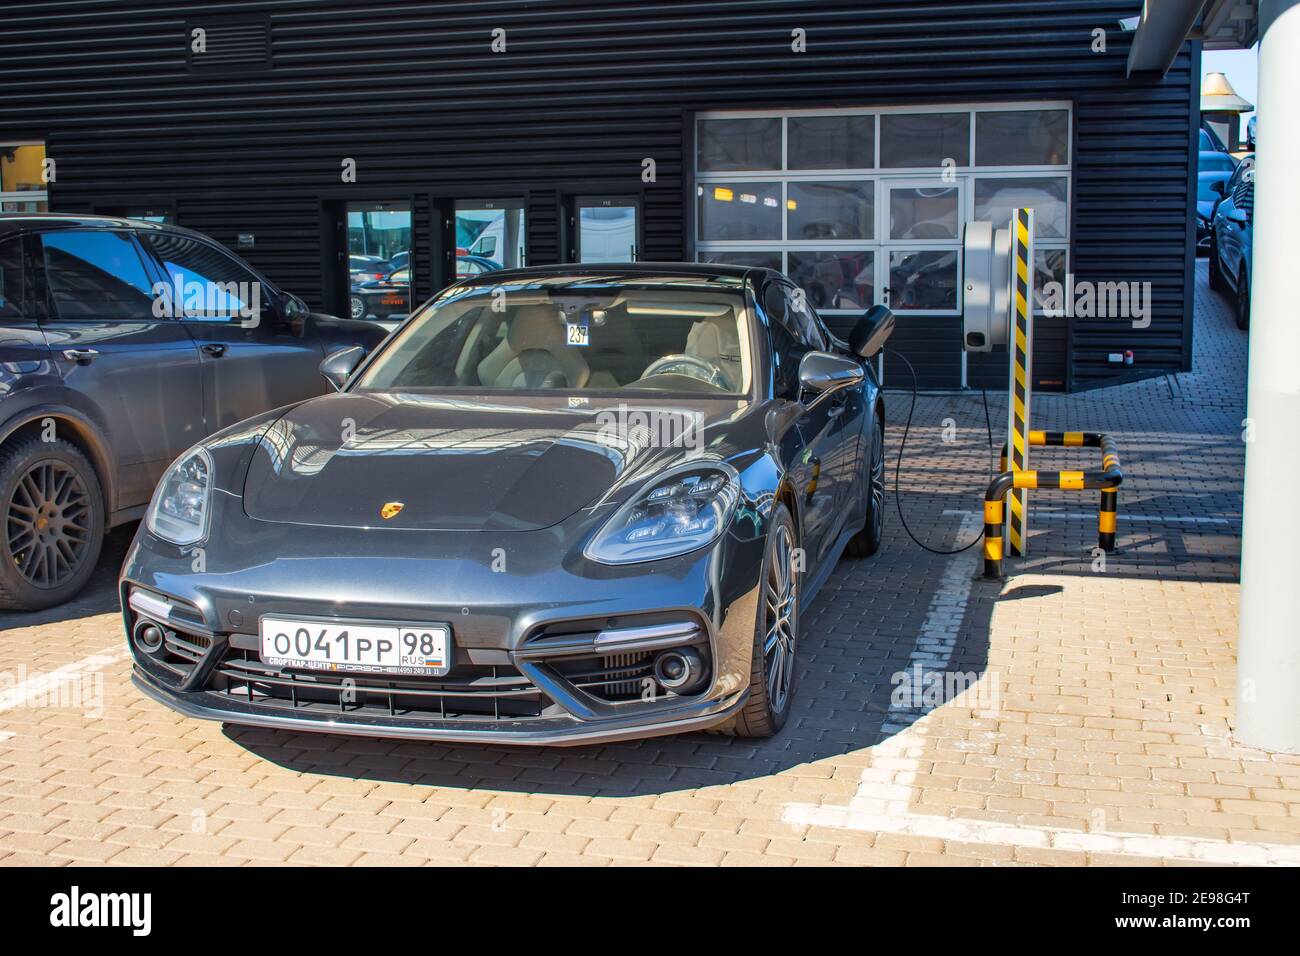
(557,506)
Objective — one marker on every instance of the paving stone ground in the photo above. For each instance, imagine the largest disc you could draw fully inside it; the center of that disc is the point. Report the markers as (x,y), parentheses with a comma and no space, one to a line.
(1086,713)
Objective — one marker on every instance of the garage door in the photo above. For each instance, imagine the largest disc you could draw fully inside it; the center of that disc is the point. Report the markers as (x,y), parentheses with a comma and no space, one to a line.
(868,206)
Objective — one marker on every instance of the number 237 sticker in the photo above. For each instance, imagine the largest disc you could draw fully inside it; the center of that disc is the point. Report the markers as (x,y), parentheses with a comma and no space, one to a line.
(578,334)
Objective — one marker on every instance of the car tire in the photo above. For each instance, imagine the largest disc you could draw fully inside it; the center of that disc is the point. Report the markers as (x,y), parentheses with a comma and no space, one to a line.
(1216,269)
(867,541)
(1243,300)
(53,511)
(357,308)
(771,692)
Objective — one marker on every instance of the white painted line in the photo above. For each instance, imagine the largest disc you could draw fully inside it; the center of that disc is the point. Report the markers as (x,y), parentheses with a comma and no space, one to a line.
(7,735)
(883,804)
(1092,515)
(37,687)
(937,636)
(886,793)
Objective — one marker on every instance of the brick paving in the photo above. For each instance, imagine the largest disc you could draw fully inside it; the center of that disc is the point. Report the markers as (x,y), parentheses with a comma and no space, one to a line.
(1088,721)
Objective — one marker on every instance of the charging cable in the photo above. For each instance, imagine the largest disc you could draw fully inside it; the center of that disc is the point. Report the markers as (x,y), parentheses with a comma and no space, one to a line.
(898,469)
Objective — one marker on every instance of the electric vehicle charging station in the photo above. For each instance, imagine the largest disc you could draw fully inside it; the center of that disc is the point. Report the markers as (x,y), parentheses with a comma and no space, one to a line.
(998,310)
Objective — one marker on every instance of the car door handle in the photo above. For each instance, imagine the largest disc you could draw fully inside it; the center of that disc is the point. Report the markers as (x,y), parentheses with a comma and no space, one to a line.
(80,356)
(215,349)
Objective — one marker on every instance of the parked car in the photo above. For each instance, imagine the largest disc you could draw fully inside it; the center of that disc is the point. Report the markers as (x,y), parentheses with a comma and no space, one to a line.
(364,269)
(1231,239)
(596,513)
(386,301)
(1209,141)
(467,265)
(368,268)
(1212,167)
(121,344)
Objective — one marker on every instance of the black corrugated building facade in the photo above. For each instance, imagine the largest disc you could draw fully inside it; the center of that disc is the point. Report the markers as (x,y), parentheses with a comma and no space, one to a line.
(250,136)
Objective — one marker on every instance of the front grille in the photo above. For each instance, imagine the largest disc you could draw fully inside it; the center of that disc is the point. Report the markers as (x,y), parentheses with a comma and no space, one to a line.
(568,647)
(612,678)
(185,643)
(182,652)
(474,692)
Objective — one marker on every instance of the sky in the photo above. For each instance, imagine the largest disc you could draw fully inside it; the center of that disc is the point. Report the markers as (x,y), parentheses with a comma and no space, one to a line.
(1241,69)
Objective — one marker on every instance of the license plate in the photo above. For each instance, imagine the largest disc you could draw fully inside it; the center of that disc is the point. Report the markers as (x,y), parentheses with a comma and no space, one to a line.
(357,646)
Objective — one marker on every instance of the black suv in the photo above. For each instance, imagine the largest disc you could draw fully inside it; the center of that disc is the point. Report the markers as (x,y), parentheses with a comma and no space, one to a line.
(122,343)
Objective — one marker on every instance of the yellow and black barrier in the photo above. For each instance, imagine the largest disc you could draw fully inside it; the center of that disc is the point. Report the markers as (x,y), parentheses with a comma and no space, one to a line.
(1107,481)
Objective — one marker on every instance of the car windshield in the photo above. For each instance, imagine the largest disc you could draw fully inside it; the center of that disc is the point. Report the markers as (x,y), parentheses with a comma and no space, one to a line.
(672,334)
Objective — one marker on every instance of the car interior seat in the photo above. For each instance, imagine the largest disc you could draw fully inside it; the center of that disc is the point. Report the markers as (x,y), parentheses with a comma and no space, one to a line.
(716,341)
(534,354)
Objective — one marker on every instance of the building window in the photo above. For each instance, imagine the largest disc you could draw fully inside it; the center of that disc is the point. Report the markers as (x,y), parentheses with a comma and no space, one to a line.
(22,178)
(379,256)
(867,206)
(492,231)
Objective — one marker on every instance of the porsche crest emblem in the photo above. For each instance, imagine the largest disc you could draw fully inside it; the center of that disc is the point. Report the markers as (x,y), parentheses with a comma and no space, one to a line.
(391,510)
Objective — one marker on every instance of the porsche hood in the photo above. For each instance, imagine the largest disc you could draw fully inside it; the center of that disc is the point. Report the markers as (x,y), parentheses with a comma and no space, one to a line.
(418,462)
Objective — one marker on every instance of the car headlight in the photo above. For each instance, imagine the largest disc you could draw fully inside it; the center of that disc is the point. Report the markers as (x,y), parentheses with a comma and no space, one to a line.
(181,506)
(682,510)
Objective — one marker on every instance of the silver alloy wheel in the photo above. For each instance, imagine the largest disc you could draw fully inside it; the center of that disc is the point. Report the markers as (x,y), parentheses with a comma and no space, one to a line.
(877,481)
(358,307)
(780,608)
(47,524)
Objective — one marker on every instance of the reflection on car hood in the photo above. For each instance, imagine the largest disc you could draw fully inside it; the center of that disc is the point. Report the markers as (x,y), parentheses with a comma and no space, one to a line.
(472,464)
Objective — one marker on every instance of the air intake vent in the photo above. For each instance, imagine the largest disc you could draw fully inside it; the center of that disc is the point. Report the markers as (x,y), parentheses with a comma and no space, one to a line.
(228,44)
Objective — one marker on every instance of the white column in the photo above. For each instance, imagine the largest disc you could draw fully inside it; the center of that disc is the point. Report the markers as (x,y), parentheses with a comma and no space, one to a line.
(1268,657)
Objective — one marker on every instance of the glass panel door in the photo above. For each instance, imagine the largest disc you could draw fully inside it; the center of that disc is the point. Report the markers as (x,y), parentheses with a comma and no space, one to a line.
(490,235)
(607,230)
(379,258)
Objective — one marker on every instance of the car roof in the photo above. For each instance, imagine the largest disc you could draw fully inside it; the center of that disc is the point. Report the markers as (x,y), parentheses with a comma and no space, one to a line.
(21,221)
(622,272)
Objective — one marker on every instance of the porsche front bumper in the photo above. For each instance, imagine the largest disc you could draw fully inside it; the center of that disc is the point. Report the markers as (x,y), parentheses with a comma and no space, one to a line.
(526,668)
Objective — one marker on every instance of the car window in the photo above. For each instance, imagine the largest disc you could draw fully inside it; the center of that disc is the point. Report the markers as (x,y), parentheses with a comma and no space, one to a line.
(11,279)
(787,347)
(640,336)
(207,284)
(96,275)
(803,319)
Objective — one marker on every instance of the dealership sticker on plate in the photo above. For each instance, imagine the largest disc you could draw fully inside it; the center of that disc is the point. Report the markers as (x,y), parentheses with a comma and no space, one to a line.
(579,333)
(348,646)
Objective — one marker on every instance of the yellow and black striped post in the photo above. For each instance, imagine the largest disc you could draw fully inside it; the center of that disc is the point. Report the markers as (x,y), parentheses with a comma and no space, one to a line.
(1107,481)
(1021,361)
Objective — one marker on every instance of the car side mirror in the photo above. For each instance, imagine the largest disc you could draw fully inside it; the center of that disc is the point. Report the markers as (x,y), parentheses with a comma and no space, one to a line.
(291,312)
(1218,187)
(339,365)
(869,335)
(821,371)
